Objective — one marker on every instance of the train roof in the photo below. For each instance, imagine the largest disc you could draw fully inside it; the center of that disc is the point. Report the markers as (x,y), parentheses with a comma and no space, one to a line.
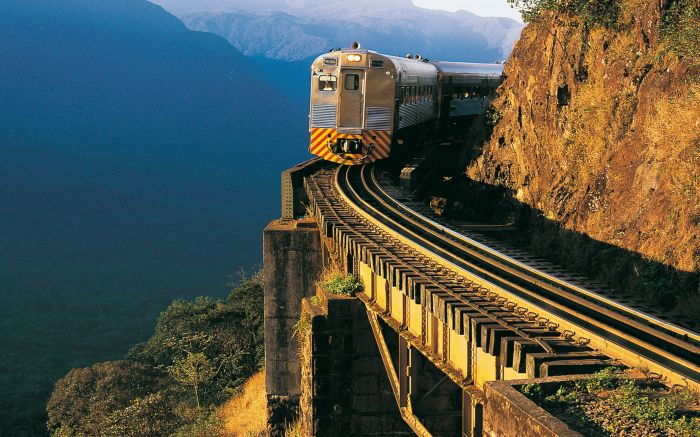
(461,68)
(413,70)
(420,71)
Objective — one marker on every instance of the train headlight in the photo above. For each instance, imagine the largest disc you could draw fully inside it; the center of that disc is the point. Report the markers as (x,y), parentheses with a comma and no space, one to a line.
(354,58)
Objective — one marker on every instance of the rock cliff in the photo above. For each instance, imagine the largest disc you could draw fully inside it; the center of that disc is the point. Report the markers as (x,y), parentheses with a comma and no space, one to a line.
(597,131)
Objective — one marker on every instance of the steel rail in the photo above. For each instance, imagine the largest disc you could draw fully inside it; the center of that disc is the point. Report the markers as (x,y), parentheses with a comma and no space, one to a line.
(503,257)
(687,347)
(461,298)
(659,354)
(542,341)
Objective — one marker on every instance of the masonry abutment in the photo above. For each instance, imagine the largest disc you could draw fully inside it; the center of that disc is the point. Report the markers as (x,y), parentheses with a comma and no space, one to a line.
(292,263)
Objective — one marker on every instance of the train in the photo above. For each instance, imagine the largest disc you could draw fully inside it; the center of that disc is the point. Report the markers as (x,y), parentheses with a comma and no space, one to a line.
(365,105)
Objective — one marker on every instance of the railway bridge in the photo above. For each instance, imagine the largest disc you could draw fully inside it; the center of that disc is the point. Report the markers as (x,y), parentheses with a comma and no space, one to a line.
(445,327)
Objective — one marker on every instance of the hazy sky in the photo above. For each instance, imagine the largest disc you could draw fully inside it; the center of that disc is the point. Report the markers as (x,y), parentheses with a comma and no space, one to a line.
(486,8)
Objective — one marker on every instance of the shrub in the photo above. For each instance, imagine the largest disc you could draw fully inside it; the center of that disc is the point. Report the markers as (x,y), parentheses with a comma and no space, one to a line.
(301,327)
(605,379)
(590,12)
(334,282)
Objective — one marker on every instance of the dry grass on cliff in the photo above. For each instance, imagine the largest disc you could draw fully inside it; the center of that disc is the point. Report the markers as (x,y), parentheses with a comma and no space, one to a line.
(675,129)
(601,111)
(244,415)
(676,119)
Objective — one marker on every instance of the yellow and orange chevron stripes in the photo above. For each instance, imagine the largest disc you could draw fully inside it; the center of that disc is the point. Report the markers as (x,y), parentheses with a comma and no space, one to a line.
(320,138)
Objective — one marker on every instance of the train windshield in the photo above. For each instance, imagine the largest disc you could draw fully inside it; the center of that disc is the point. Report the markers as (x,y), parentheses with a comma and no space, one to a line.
(327,82)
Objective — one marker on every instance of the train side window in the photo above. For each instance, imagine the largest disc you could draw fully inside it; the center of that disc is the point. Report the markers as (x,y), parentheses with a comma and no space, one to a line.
(377,63)
(327,82)
(352,82)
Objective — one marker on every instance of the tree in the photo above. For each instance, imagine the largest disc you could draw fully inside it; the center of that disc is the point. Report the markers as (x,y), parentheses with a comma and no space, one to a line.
(591,12)
(148,393)
(84,399)
(193,370)
(228,332)
(151,415)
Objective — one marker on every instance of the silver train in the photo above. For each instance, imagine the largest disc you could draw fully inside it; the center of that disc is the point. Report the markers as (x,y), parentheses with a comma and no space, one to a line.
(365,104)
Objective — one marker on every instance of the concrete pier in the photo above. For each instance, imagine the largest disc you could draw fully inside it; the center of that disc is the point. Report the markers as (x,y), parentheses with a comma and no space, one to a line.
(293,261)
(345,389)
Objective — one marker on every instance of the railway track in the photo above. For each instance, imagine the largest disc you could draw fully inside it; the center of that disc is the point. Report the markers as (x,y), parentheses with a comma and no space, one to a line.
(560,317)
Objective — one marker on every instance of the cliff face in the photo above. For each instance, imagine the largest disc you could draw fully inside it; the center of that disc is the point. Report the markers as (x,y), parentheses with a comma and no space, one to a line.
(599,131)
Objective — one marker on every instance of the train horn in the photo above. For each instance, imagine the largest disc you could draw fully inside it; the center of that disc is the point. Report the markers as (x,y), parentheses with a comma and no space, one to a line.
(356,45)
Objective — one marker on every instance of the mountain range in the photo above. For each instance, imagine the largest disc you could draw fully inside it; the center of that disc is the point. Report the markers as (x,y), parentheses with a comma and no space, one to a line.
(295,30)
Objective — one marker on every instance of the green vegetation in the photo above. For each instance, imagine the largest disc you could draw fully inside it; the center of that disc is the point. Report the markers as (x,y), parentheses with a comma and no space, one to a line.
(334,282)
(201,353)
(591,12)
(193,370)
(681,31)
(609,404)
(681,26)
(302,327)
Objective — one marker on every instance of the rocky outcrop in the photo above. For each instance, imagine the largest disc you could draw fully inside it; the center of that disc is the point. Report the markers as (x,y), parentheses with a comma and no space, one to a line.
(598,131)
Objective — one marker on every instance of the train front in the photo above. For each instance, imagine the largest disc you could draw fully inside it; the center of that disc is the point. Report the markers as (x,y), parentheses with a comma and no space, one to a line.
(352,106)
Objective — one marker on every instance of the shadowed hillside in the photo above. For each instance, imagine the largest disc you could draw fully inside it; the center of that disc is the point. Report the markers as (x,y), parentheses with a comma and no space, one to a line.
(597,130)
(138,162)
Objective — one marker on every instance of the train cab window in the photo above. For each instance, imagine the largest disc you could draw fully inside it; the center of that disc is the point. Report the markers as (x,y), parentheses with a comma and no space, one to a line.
(377,63)
(330,61)
(327,82)
(352,82)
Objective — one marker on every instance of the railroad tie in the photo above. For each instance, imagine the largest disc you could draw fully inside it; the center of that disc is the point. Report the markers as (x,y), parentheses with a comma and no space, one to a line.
(535,360)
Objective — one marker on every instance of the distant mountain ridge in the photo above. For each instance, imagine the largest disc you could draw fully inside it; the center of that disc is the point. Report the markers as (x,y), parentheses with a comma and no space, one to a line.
(301,29)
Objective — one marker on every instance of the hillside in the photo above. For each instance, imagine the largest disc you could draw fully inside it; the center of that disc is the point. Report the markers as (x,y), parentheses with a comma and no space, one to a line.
(139,160)
(598,136)
(109,72)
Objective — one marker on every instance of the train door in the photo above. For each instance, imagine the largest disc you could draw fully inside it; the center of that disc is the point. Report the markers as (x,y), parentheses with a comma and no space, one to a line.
(352,98)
